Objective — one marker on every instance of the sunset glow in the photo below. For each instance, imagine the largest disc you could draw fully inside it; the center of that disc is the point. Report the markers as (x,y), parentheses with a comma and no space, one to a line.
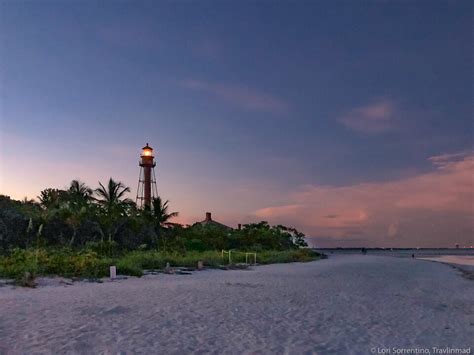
(352,123)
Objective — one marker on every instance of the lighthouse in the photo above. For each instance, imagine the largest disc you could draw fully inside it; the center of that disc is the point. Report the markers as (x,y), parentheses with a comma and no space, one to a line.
(146,180)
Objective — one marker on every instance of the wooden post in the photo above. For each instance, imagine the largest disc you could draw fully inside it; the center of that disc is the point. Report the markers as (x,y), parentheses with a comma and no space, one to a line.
(200,265)
(113,272)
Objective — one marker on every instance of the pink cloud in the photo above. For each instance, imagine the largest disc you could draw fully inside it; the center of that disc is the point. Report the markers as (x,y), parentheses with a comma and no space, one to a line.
(376,117)
(425,209)
(443,160)
(237,95)
(271,212)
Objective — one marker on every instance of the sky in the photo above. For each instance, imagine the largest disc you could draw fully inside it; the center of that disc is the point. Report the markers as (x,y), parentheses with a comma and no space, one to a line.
(349,120)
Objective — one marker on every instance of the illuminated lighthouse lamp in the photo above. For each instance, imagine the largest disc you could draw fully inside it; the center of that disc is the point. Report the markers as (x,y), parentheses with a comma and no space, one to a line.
(147,151)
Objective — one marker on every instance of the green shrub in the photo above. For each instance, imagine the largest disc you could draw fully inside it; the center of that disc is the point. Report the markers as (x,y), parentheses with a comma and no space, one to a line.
(129,267)
(17,263)
(195,245)
(87,263)
(62,262)
(297,255)
(104,248)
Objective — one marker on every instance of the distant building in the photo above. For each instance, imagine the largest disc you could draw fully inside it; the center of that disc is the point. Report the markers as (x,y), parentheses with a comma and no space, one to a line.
(210,222)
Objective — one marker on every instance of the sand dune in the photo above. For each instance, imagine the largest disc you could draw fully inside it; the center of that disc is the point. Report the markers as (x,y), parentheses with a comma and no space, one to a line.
(346,304)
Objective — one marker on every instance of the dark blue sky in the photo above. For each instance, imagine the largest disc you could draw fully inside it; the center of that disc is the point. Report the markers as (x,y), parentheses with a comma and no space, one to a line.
(263,97)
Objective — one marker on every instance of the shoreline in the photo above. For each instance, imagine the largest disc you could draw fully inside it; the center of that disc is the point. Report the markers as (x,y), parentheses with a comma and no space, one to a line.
(464,264)
(466,260)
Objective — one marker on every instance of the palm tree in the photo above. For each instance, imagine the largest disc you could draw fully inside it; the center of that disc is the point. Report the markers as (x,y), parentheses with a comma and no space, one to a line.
(112,198)
(73,205)
(80,191)
(28,201)
(160,211)
(49,198)
(114,204)
(160,216)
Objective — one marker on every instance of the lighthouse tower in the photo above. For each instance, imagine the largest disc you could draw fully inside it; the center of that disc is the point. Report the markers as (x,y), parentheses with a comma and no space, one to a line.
(146,180)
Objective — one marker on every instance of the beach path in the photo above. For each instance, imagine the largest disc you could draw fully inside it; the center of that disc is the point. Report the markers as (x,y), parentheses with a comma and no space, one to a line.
(347,304)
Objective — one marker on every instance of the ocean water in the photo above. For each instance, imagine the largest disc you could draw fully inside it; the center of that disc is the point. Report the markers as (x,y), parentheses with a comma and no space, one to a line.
(401,253)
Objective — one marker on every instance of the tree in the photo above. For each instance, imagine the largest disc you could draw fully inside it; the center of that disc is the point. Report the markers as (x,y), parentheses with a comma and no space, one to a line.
(49,198)
(13,229)
(115,206)
(112,198)
(79,191)
(77,207)
(298,238)
(159,217)
(160,211)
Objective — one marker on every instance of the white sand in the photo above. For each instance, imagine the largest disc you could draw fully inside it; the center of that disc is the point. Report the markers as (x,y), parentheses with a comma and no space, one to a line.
(453,259)
(347,304)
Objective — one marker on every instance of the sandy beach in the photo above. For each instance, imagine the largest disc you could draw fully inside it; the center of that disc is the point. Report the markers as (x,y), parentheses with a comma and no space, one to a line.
(347,304)
(453,259)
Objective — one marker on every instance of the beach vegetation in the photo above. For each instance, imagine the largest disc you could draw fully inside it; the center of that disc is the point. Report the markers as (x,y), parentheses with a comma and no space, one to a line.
(90,264)
(80,232)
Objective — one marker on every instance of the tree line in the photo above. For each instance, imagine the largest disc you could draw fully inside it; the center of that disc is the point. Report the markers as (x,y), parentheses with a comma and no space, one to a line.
(105,220)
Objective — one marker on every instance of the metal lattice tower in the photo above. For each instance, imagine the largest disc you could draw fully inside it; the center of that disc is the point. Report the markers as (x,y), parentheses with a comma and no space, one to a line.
(146,180)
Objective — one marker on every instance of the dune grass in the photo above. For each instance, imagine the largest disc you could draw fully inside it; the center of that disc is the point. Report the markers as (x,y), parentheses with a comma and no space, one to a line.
(89,264)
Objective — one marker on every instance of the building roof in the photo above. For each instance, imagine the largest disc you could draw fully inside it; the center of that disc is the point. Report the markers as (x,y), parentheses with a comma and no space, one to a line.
(208,221)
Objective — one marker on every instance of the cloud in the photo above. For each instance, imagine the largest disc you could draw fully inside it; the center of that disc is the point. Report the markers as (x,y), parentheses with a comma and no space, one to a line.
(374,118)
(393,229)
(237,95)
(427,209)
(446,160)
